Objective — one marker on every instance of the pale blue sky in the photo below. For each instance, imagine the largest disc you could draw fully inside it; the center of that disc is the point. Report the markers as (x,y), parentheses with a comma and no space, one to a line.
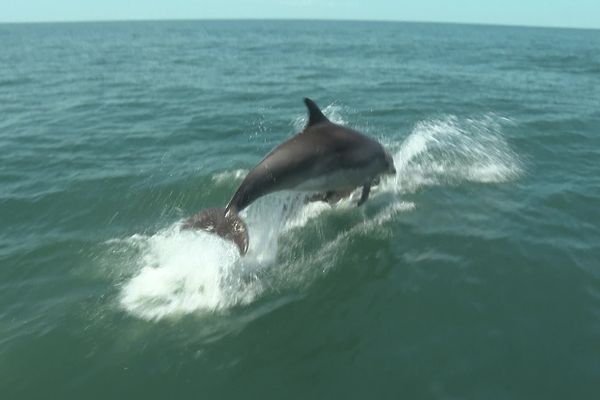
(564,13)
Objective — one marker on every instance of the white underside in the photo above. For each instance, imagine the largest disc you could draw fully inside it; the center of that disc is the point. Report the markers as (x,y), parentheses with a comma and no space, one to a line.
(335,181)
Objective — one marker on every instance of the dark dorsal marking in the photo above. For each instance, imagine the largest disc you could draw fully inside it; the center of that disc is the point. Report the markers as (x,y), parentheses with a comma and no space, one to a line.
(315,115)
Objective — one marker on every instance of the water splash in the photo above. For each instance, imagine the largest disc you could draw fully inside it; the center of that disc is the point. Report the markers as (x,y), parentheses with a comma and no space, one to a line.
(227,176)
(454,150)
(182,272)
(194,271)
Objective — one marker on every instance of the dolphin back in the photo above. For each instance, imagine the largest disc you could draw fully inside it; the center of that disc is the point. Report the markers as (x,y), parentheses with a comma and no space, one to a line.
(225,223)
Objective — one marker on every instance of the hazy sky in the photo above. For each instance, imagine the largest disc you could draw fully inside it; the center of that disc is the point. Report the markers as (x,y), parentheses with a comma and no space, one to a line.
(568,13)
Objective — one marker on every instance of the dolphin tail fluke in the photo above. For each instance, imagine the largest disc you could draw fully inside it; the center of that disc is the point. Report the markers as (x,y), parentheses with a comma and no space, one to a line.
(223,222)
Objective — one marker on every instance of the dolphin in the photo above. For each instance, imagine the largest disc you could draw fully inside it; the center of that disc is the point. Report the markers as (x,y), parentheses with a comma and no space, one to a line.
(324,158)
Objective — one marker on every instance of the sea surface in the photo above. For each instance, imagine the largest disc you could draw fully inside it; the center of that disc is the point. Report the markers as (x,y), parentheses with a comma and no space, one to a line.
(474,273)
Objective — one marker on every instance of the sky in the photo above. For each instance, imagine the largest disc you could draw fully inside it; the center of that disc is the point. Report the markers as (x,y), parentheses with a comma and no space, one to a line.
(554,13)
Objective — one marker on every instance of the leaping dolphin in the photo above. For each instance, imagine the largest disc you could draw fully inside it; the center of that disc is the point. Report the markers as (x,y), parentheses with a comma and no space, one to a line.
(323,157)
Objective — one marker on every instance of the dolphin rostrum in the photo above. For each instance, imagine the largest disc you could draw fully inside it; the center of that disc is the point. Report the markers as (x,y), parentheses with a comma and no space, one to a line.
(325,158)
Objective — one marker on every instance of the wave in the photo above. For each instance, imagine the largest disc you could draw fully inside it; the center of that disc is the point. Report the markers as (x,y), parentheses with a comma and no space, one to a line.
(181,272)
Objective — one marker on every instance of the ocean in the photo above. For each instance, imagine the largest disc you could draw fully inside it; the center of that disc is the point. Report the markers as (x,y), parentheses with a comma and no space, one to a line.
(474,273)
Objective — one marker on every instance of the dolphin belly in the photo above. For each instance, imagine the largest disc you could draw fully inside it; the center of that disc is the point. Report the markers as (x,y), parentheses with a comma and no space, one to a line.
(335,180)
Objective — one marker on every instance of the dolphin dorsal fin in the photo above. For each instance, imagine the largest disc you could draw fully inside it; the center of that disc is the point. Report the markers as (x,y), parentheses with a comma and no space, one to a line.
(314,113)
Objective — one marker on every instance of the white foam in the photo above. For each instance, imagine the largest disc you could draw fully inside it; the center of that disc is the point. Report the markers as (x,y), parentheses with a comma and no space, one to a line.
(453,150)
(181,272)
(193,271)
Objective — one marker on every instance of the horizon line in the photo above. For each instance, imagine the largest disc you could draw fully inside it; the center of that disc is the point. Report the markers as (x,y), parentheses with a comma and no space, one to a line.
(83,21)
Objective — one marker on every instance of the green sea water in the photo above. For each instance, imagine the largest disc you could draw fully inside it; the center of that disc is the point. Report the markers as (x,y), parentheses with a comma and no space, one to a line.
(474,273)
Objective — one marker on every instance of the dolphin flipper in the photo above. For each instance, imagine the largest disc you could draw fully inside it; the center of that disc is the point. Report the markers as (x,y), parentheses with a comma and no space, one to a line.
(225,223)
(365,194)
(331,196)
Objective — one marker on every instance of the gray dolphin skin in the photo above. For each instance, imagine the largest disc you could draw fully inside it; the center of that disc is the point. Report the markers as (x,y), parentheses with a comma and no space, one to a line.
(324,158)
